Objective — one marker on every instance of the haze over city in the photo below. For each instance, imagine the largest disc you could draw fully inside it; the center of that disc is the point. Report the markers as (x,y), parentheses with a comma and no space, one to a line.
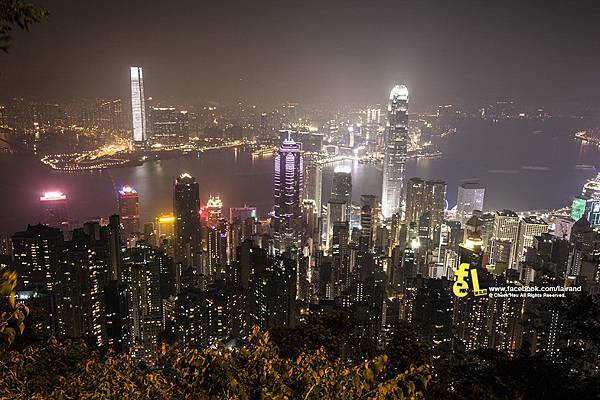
(334,51)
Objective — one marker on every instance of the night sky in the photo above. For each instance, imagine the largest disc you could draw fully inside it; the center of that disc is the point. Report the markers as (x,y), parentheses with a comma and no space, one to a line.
(312,51)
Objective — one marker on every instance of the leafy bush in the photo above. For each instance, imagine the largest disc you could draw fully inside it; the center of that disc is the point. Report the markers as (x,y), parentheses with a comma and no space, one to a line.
(71,370)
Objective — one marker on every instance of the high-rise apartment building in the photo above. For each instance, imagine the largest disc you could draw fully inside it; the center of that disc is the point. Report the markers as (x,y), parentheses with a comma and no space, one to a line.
(37,252)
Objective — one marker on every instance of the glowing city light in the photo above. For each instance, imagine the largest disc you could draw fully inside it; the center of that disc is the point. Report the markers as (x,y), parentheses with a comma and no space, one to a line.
(400,91)
(53,196)
(125,190)
(214,202)
(473,243)
(345,169)
(166,218)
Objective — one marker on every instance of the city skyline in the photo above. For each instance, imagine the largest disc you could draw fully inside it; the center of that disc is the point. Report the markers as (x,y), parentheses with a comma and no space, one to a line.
(389,199)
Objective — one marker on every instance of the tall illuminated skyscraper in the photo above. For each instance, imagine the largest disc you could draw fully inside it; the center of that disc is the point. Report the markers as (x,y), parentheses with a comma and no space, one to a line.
(54,206)
(138,105)
(129,210)
(425,197)
(470,198)
(214,208)
(338,207)
(529,228)
(341,188)
(287,193)
(396,143)
(313,181)
(506,228)
(186,207)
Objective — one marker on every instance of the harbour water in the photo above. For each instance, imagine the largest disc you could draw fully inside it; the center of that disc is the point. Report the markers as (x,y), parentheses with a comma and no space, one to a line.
(524,164)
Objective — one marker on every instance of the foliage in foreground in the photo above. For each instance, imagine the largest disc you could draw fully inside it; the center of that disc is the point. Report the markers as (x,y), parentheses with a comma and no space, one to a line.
(71,370)
(17,14)
(12,314)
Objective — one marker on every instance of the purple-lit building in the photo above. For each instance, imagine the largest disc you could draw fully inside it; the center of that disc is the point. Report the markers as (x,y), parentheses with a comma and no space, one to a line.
(287,194)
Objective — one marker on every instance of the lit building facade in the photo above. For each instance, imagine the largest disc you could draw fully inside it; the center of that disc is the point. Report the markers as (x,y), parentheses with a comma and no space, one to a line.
(470,198)
(425,197)
(288,184)
(396,147)
(36,253)
(214,209)
(313,181)
(186,208)
(506,228)
(529,228)
(54,206)
(165,226)
(129,210)
(169,126)
(138,105)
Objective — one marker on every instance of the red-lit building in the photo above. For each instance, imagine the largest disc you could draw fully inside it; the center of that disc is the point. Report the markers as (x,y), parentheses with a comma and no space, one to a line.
(129,210)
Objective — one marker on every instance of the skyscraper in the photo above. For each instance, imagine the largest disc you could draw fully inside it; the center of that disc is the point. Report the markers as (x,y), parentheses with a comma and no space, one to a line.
(436,203)
(169,126)
(186,207)
(37,253)
(340,268)
(313,181)
(165,225)
(214,208)
(529,227)
(580,207)
(144,265)
(506,228)
(415,192)
(288,183)
(470,198)
(138,105)
(129,210)
(341,188)
(425,197)
(368,221)
(396,143)
(54,206)
(341,191)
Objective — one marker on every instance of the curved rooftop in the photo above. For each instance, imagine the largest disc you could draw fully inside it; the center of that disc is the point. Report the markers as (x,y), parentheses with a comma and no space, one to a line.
(400,91)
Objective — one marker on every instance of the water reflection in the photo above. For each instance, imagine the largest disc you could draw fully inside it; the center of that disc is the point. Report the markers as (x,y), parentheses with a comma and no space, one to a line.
(520,170)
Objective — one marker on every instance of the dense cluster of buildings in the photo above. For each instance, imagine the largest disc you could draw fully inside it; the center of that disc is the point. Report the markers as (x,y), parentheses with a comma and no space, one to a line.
(198,276)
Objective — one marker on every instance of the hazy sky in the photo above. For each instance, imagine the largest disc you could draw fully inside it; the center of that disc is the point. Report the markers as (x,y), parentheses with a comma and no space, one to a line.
(323,50)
